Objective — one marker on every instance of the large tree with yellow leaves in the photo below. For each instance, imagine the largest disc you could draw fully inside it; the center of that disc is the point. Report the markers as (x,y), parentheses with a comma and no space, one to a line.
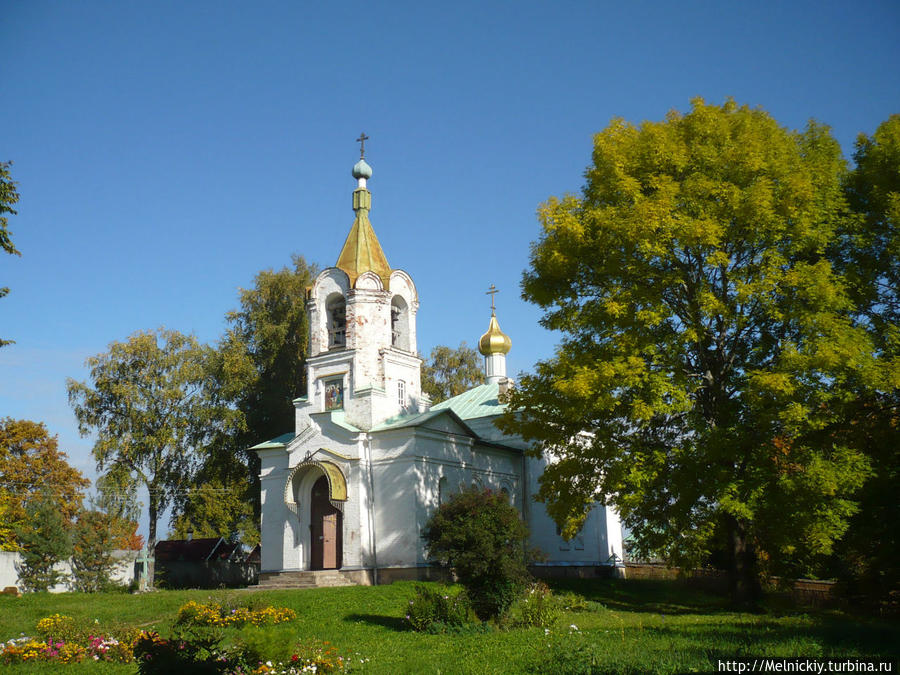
(706,337)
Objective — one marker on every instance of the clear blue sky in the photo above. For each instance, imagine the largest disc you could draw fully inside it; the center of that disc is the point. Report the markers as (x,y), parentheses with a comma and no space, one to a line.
(168,151)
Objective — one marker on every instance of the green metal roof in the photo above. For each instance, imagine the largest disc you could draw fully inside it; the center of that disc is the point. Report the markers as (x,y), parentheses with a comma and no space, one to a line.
(338,418)
(278,442)
(401,421)
(482,401)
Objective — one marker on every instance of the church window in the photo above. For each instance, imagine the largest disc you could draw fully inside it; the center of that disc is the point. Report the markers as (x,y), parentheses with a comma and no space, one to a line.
(577,541)
(337,322)
(399,323)
(334,395)
(563,544)
(401,393)
(442,491)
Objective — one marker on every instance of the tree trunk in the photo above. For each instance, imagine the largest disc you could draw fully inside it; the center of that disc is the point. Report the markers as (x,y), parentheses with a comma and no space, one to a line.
(743,575)
(151,539)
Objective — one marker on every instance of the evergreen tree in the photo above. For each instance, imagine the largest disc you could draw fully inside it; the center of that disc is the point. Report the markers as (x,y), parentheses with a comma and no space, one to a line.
(94,539)
(45,541)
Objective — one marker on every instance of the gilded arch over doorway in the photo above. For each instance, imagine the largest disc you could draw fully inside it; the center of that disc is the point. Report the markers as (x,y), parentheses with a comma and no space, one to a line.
(337,483)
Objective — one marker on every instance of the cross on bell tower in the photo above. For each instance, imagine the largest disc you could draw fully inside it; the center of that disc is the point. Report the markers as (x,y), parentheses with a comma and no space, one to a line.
(362,144)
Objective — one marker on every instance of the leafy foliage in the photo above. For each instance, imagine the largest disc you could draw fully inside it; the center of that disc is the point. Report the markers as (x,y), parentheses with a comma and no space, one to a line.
(536,607)
(481,537)
(45,541)
(152,406)
(449,372)
(437,610)
(707,339)
(31,462)
(8,198)
(258,369)
(216,509)
(869,255)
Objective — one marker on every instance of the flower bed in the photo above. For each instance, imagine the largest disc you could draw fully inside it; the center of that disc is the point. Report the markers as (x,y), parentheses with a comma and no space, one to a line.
(198,644)
(214,614)
(98,648)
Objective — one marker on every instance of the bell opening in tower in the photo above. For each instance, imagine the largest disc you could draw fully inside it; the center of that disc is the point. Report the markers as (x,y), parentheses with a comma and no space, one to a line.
(337,322)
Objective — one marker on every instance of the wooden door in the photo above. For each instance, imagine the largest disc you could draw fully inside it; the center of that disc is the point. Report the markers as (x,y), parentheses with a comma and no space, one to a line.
(325,529)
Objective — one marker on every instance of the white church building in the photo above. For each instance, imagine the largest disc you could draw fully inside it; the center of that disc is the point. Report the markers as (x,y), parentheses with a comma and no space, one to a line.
(369,460)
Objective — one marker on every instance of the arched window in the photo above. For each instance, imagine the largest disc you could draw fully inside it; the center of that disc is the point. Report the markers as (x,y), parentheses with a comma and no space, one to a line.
(336,316)
(399,323)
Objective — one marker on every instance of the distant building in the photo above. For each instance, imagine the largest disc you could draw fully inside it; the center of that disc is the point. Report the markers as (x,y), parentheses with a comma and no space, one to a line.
(204,563)
(370,459)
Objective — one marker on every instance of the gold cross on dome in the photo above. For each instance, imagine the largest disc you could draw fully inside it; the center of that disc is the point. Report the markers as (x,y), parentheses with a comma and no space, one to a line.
(491,293)
(362,144)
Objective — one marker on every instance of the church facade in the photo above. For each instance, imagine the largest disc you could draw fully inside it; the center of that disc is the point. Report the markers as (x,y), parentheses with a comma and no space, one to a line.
(370,458)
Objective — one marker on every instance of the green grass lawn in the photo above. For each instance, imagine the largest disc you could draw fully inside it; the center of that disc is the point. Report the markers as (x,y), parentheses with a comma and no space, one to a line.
(629,627)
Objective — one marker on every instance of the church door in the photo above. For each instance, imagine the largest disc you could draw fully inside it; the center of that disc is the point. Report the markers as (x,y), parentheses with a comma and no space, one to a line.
(325,529)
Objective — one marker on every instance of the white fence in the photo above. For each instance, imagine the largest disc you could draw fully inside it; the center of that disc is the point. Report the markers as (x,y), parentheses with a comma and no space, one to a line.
(122,573)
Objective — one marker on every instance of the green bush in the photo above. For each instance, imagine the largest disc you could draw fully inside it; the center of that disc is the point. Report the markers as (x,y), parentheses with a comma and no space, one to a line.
(571,602)
(198,653)
(481,537)
(439,610)
(536,607)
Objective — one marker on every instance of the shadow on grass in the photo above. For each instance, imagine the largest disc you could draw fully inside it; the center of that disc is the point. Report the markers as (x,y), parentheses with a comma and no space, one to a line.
(391,622)
(640,595)
(833,636)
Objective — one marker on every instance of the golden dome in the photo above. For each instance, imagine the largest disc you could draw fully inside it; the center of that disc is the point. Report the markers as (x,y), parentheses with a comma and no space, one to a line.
(495,341)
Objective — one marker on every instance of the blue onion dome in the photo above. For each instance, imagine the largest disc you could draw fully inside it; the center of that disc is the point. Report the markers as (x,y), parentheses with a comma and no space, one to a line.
(362,170)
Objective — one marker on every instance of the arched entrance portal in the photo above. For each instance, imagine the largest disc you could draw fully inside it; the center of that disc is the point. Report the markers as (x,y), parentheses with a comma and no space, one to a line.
(315,492)
(326,528)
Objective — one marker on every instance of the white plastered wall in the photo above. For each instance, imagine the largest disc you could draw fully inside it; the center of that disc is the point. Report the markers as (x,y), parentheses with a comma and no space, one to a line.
(285,535)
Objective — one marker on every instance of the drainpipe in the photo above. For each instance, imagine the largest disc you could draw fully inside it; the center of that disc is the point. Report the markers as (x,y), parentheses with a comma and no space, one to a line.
(525,503)
(368,452)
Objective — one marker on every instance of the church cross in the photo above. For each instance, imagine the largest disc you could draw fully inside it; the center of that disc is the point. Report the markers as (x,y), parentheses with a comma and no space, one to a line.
(362,144)
(491,293)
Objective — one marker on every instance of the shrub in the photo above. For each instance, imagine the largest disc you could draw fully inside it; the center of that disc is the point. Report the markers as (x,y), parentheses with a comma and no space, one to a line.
(481,537)
(437,610)
(198,655)
(536,607)
(571,602)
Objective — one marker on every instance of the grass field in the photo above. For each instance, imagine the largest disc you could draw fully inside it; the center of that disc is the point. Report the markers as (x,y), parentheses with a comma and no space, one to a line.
(629,627)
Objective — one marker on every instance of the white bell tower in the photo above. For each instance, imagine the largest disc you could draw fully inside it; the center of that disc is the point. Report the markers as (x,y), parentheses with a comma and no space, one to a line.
(363,361)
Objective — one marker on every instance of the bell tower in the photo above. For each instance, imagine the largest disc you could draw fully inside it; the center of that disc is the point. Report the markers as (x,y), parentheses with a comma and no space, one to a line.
(363,362)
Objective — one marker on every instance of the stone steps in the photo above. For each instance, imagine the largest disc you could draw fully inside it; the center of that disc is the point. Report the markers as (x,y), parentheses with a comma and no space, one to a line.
(307,579)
